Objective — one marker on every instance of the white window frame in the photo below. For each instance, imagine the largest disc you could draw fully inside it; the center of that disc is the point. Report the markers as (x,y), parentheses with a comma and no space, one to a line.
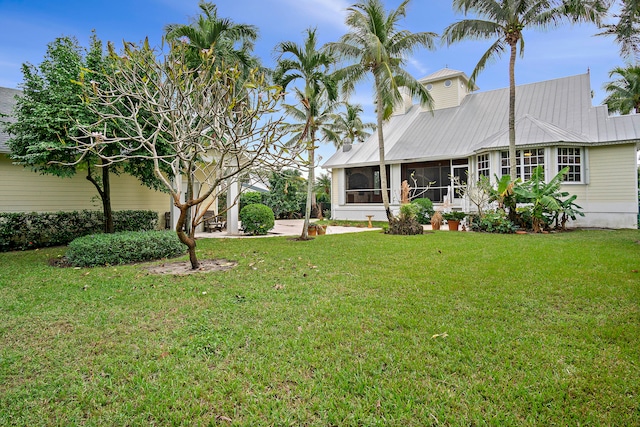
(582,163)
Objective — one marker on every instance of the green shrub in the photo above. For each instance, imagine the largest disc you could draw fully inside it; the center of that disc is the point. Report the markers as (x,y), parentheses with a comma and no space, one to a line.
(492,222)
(123,248)
(20,231)
(425,210)
(250,198)
(134,220)
(257,219)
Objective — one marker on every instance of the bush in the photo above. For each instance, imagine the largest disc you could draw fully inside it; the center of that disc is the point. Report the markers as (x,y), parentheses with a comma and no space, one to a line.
(20,231)
(123,248)
(250,198)
(492,222)
(257,219)
(425,209)
(134,220)
(406,223)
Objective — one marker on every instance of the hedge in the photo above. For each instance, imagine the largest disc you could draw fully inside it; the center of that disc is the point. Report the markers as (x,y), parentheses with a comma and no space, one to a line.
(20,231)
(123,248)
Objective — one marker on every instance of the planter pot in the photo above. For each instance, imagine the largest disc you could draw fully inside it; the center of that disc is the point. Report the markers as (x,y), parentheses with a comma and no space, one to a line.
(322,229)
(453,224)
(312,231)
(435,226)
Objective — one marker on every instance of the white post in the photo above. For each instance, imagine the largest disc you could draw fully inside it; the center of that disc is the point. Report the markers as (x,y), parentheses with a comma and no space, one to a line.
(233,209)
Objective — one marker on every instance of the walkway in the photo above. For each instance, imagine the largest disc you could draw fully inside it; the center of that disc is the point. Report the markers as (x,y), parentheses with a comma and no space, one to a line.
(285,227)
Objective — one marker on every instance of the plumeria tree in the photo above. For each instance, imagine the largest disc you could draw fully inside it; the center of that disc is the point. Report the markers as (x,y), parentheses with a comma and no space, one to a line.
(198,123)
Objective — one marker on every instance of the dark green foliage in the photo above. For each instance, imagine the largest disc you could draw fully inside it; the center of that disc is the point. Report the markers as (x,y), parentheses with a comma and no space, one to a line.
(257,219)
(287,194)
(20,231)
(425,209)
(492,222)
(123,248)
(454,215)
(250,198)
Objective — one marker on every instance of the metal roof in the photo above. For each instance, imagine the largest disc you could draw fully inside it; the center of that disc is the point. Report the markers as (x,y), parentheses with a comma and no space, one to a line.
(7,102)
(549,112)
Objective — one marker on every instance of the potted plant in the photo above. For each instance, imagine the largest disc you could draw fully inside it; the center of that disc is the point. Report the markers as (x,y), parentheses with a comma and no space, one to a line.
(453,219)
(312,230)
(321,229)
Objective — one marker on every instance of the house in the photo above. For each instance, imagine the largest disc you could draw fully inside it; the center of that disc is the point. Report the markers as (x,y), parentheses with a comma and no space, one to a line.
(22,190)
(467,135)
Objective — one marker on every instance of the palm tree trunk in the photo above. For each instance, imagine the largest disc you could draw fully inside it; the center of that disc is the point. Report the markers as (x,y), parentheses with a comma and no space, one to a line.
(307,210)
(383,168)
(512,113)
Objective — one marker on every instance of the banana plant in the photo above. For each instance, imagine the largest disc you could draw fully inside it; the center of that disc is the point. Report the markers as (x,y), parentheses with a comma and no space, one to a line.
(545,199)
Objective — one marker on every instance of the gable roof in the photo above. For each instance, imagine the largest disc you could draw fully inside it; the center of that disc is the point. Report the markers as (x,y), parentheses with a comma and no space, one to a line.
(7,102)
(549,112)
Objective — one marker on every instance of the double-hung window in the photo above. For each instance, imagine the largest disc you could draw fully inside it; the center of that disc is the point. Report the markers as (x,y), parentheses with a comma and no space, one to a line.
(571,157)
(526,162)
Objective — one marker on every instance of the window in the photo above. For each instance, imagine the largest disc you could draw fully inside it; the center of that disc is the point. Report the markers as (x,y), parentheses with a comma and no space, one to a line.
(572,158)
(433,179)
(526,162)
(447,83)
(483,165)
(429,86)
(363,184)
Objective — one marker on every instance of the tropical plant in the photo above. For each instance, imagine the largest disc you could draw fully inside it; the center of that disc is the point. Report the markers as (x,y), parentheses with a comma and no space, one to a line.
(623,93)
(377,46)
(425,209)
(493,222)
(348,127)
(286,195)
(627,28)
(228,42)
(543,199)
(311,66)
(454,215)
(504,21)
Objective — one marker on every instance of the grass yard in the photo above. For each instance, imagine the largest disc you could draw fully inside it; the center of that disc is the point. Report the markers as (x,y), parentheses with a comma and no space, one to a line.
(357,329)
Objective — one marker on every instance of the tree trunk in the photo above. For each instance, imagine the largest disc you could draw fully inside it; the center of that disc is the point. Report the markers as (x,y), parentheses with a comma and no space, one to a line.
(512,113)
(307,210)
(105,196)
(187,239)
(383,168)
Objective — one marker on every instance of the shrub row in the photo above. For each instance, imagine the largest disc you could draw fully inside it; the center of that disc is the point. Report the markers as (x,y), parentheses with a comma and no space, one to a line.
(123,248)
(20,231)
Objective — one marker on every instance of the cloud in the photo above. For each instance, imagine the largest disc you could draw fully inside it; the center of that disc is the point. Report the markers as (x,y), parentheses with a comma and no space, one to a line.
(331,12)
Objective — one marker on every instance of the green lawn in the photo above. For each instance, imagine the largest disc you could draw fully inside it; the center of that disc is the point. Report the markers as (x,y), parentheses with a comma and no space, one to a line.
(356,329)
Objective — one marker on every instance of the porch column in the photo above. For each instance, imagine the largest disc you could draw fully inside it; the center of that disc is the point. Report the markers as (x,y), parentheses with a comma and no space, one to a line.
(233,206)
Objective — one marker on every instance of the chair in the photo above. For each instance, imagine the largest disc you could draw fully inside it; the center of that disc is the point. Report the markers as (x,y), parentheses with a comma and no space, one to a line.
(212,222)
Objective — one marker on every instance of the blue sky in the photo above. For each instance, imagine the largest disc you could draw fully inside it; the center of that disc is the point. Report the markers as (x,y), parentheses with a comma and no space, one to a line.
(29,25)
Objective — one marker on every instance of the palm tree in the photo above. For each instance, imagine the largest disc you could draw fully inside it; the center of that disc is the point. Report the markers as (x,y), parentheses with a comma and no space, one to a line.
(627,30)
(229,42)
(311,67)
(377,46)
(624,92)
(348,127)
(504,21)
